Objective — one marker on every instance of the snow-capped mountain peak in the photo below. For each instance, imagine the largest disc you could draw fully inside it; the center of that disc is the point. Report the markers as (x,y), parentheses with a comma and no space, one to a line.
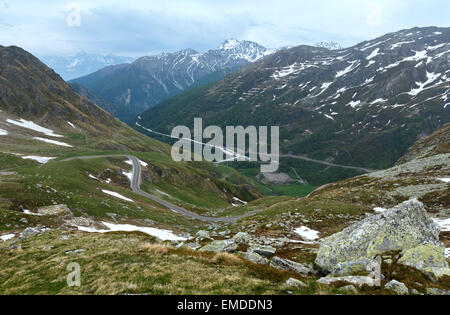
(229,44)
(159,77)
(242,49)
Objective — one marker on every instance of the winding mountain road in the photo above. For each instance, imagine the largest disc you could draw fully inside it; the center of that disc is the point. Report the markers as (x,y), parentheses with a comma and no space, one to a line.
(136,188)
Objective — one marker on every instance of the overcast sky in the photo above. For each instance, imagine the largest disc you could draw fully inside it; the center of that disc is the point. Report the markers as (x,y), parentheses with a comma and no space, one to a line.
(136,28)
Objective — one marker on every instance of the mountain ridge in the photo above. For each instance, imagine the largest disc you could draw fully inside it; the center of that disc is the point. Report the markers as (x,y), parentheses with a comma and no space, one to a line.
(361,106)
(152,79)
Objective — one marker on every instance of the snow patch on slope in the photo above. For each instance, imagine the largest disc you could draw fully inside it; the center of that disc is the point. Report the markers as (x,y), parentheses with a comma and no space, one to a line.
(164,235)
(32,126)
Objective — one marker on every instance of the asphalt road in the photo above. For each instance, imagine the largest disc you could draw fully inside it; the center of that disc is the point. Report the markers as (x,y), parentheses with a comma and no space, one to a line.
(136,188)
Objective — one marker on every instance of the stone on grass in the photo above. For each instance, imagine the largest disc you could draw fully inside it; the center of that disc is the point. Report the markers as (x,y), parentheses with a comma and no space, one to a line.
(288,265)
(398,287)
(256,258)
(295,283)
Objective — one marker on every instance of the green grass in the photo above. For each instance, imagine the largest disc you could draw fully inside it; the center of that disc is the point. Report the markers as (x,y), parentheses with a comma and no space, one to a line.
(68,183)
(294,190)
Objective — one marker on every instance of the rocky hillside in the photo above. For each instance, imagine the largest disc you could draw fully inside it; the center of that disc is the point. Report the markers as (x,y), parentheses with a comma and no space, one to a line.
(361,106)
(113,108)
(35,99)
(42,119)
(152,79)
(437,143)
(423,173)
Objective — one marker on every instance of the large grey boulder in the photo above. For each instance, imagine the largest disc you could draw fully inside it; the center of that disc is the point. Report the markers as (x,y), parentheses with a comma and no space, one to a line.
(286,265)
(402,228)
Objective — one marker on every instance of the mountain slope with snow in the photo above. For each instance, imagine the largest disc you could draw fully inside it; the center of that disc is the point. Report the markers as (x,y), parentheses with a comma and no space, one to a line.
(152,79)
(361,106)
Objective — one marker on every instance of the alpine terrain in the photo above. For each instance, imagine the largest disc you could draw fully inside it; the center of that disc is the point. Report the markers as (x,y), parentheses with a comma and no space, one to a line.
(149,80)
(361,106)
(360,205)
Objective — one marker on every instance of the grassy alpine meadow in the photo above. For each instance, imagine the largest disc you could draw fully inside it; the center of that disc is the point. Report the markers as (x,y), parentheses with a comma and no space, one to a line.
(133,263)
(120,263)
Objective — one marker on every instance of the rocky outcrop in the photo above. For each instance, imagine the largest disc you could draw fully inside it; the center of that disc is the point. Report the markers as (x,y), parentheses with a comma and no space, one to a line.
(403,228)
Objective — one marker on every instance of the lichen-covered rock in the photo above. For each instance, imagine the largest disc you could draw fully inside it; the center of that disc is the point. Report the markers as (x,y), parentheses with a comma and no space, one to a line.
(398,287)
(256,258)
(355,280)
(434,274)
(266,251)
(285,264)
(404,227)
(57,210)
(430,259)
(220,246)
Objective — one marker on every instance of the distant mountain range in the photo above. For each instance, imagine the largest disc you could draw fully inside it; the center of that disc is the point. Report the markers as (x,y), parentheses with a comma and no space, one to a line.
(149,80)
(361,106)
(82,64)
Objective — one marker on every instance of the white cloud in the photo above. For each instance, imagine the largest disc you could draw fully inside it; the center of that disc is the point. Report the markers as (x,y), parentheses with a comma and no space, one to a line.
(140,27)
